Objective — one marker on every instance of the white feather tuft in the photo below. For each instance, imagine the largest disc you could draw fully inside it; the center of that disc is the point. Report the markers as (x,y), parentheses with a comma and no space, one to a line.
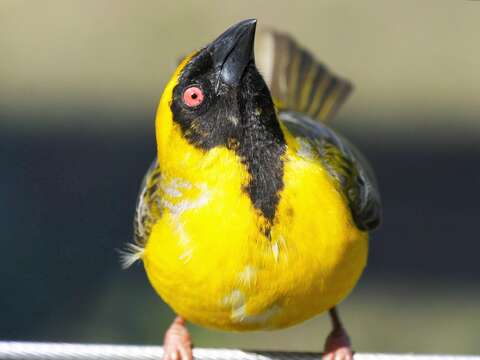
(131,254)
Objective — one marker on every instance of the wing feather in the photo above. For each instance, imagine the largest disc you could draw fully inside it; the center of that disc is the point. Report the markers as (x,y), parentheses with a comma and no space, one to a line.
(345,164)
(148,209)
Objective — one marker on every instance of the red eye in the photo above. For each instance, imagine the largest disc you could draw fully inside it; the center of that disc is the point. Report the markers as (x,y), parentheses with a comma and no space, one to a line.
(193,96)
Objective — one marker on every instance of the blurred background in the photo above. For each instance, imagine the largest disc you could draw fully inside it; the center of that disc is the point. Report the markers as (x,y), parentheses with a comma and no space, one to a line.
(79,86)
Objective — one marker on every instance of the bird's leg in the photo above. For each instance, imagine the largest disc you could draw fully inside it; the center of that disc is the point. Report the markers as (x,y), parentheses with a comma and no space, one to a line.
(177,344)
(337,345)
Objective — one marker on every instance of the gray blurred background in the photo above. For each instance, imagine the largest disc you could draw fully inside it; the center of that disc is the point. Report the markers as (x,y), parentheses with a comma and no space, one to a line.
(79,86)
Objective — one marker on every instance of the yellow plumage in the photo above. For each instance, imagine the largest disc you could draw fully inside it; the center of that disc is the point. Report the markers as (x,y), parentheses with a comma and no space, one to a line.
(253,216)
(208,256)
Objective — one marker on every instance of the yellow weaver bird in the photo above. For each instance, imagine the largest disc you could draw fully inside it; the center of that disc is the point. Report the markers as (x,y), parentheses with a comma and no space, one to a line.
(254,215)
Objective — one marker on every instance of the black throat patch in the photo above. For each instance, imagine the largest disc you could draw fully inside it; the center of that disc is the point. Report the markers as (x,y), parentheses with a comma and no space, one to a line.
(243,120)
(261,147)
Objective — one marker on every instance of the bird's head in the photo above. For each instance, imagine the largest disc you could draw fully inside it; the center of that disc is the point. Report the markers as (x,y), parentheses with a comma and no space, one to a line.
(216,95)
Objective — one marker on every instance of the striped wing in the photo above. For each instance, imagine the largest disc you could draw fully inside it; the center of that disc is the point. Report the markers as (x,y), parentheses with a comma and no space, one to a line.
(345,164)
(148,209)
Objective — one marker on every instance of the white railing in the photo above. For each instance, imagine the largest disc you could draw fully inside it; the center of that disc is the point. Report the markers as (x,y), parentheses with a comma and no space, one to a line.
(15,350)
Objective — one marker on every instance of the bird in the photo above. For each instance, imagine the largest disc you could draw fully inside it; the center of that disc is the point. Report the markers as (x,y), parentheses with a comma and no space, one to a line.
(255,214)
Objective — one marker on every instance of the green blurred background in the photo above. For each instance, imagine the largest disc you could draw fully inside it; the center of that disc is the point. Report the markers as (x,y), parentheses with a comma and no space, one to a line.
(79,85)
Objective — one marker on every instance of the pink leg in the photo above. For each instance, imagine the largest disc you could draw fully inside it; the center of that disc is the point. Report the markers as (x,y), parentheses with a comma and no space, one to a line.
(337,345)
(177,344)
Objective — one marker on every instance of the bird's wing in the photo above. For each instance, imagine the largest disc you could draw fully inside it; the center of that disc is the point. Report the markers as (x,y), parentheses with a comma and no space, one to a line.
(148,208)
(344,163)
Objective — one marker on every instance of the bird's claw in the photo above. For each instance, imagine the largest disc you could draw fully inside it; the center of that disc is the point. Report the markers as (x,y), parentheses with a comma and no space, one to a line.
(338,346)
(177,344)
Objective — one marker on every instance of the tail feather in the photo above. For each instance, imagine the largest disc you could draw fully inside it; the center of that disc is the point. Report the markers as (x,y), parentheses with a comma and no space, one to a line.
(297,81)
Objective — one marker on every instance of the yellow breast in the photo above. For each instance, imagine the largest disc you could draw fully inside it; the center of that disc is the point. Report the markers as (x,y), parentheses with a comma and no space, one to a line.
(208,256)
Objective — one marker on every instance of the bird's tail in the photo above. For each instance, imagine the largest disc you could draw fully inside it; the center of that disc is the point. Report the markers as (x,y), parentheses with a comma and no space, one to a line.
(297,81)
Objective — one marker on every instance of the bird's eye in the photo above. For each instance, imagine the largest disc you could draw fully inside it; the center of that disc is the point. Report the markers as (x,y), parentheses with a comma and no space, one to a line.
(193,96)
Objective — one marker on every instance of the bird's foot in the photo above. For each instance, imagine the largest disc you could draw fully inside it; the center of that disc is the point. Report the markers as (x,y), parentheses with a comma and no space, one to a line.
(177,344)
(338,346)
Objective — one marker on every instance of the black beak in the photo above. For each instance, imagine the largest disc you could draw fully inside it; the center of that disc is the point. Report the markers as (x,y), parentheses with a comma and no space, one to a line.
(233,50)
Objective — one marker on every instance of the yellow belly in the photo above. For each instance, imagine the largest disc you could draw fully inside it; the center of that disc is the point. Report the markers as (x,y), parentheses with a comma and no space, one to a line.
(210,261)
